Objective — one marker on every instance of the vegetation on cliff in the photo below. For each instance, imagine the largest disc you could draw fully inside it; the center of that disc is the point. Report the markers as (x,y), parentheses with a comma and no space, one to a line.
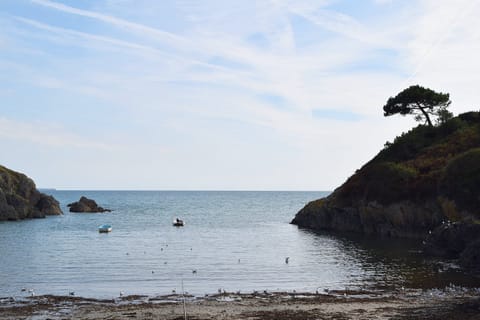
(439,163)
(20,199)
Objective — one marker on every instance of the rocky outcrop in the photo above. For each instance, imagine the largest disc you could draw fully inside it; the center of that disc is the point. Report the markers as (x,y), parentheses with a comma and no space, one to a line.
(426,176)
(457,240)
(86,205)
(20,199)
(400,219)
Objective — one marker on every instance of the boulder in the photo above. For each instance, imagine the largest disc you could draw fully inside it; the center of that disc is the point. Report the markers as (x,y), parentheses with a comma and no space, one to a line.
(470,257)
(86,205)
(458,240)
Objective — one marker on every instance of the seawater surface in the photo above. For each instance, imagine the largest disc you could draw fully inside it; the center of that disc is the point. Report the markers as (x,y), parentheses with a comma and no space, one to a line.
(233,241)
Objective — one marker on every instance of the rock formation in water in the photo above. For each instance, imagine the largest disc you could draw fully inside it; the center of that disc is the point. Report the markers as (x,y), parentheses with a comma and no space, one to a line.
(86,205)
(20,199)
(427,182)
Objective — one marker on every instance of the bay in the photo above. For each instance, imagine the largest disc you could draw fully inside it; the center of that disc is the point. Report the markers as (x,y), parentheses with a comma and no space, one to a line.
(232,240)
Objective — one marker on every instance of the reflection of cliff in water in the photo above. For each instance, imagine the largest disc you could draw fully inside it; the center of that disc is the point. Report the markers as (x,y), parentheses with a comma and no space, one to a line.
(389,263)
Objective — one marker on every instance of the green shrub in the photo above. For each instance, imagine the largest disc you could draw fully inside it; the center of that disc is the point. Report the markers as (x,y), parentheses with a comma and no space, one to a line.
(461,180)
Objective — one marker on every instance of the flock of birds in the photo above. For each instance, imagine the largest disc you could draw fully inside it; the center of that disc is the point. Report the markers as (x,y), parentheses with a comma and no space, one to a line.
(31,291)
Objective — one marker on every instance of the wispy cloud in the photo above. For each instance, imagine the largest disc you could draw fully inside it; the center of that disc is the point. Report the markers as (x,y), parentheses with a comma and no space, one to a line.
(435,29)
(127,25)
(44,134)
(306,78)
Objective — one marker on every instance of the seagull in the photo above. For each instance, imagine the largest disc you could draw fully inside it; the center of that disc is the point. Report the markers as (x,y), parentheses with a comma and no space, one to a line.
(122,293)
(72,293)
(153,271)
(286,260)
(194,271)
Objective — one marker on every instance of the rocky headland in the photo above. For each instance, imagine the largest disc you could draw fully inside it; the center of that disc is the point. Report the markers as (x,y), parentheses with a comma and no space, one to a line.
(425,185)
(86,205)
(20,199)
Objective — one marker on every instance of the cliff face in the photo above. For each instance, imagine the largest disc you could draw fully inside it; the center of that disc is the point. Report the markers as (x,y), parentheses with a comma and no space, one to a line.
(400,219)
(426,176)
(19,198)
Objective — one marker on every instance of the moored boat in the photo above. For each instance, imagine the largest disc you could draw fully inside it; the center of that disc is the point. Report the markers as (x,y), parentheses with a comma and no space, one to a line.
(104,228)
(178,223)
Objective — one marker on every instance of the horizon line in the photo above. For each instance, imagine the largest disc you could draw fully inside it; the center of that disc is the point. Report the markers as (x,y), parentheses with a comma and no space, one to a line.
(184,190)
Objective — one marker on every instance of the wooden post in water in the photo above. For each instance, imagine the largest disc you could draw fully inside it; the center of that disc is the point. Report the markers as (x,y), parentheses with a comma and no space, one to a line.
(184,308)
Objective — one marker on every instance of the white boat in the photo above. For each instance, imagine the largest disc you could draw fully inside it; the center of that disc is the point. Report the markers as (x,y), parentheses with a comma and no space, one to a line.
(104,228)
(178,223)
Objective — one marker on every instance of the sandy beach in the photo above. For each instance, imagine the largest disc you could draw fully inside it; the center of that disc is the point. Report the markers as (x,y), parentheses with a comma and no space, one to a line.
(399,304)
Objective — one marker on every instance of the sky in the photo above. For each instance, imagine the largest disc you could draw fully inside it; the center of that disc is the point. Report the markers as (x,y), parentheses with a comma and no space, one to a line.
(220,95)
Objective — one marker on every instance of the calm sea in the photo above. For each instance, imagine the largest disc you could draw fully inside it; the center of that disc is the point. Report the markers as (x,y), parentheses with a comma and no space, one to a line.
(231,241)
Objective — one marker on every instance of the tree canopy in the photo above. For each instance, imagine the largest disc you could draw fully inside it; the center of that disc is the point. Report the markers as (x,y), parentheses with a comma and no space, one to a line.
(420,102)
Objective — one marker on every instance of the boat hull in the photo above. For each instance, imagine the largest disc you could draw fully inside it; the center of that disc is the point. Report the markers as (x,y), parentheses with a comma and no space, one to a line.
(105,229)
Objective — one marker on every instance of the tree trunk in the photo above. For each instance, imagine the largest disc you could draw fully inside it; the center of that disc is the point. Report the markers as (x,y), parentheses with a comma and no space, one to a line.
(426,116)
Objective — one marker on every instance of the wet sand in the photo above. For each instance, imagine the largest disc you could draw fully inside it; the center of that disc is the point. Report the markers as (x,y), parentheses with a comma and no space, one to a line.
(339,305)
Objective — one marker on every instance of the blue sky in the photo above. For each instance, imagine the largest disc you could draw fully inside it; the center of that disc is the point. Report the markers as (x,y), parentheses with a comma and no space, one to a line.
(237,95)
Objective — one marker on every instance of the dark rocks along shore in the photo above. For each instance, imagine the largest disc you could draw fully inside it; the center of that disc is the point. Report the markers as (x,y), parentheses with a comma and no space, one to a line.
(20,199)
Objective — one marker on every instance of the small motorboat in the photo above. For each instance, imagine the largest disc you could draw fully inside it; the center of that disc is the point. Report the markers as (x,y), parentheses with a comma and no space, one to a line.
(178,223)
(104,228)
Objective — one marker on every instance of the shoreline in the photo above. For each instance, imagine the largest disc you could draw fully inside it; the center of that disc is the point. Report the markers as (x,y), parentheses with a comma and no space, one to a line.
(450,302)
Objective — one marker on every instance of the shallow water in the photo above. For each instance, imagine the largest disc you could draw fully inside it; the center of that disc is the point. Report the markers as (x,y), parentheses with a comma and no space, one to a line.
(233,240)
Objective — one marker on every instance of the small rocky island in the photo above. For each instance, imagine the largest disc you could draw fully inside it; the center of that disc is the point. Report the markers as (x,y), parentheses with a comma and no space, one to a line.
(424,185)
(86,205)
(20,199)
